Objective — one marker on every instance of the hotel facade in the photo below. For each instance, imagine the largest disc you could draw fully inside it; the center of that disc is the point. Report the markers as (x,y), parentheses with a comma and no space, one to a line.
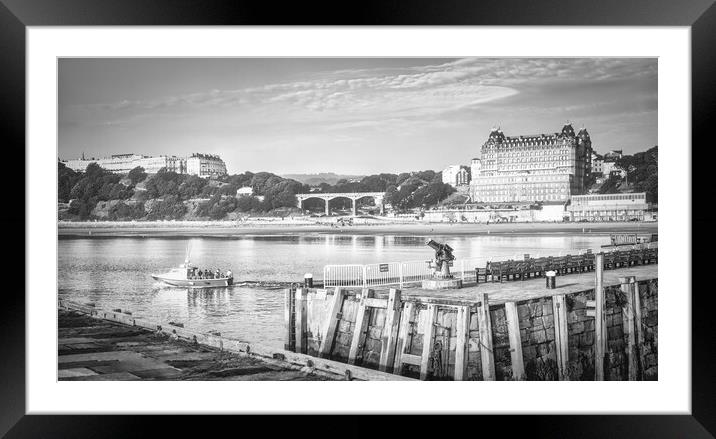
(531,168)
(203,165)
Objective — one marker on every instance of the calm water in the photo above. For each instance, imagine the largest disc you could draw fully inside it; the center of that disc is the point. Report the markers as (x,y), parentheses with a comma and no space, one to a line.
(115,272)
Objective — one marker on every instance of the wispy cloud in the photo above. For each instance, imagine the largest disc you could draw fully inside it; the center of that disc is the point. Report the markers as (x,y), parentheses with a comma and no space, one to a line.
(422,90)
(421,103)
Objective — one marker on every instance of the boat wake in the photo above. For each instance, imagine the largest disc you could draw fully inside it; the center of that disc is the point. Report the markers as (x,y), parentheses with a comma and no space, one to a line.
(265,285)
(262,284)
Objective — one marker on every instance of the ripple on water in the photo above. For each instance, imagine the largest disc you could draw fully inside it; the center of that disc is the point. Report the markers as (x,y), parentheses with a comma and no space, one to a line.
(115,273)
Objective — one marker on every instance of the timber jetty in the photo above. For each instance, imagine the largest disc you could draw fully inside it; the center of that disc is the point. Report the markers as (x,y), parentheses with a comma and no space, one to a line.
(600,322)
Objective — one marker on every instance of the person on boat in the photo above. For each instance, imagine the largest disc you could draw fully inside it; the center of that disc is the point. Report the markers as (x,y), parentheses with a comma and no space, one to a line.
(228,274)
(217,274)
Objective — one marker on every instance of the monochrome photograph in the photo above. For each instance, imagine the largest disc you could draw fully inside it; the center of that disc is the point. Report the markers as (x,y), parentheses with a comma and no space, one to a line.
(360,219)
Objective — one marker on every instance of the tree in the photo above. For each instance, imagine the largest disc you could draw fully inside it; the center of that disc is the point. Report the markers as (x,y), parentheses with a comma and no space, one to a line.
(136,175)
(94,185)
(66,179)
(122,211)
(168,208)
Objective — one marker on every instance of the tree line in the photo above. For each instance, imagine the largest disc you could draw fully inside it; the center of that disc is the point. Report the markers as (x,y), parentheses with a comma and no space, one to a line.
(167,195)
(642,174)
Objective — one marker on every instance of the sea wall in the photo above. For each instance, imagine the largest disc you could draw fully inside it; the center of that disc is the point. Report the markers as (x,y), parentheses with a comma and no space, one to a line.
(530,345)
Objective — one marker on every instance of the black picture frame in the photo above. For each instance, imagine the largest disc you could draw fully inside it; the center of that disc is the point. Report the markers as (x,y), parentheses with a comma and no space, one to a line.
(700,15)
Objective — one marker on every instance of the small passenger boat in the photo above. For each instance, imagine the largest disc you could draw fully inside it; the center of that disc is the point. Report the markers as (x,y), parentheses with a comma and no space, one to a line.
(187,275)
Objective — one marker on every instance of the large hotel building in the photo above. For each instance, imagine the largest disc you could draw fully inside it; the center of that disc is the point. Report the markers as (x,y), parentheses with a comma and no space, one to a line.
(203,165)
(541,167)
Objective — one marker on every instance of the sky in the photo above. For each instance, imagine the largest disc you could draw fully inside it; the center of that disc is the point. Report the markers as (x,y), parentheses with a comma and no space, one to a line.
(347,115)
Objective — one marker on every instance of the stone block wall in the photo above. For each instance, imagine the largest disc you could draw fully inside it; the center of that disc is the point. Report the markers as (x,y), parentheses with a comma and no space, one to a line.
(537,333)
(648,293)
(580,337)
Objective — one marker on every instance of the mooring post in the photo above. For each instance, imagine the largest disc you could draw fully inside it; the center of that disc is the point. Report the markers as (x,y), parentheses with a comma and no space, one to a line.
(513,331)
(334,314)
(288,307)
(561,342)
(390,330)
(403,334)
(360,326)
(600,339)
(485,326)
(627,287)
(301,323)
(639,331)
(461,343)
(432,314)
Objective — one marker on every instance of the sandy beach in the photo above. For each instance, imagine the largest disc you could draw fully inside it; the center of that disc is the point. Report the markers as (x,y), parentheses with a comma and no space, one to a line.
(231,229)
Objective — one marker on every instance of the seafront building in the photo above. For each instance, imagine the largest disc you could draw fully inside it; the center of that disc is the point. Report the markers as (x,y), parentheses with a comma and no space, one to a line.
(532,168)
(609,207)
(456,175)
(203,165)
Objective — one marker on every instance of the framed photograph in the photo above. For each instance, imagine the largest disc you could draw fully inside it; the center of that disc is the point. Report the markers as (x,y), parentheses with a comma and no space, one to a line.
(460,217)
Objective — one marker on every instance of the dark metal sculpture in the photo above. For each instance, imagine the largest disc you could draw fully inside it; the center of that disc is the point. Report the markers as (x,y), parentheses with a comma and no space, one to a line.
(443,256)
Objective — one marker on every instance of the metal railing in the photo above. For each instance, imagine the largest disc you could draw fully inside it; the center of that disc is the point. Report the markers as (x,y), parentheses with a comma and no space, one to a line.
(405,273)
(394,273)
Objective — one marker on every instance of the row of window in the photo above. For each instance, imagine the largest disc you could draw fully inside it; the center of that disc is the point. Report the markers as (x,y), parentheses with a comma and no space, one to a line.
(610,197)
(503,199)
(544,180)
(540,153)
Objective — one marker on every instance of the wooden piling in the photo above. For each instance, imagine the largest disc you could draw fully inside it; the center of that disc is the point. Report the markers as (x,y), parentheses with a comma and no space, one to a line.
(600,339)
(627,287)
(428,340)
(334,314)
(461,345)
(561,341)
(639,331)
(390,330)
(513,331)
(360,326)
(289,321)
(301,320)
(403,334)
(485,325)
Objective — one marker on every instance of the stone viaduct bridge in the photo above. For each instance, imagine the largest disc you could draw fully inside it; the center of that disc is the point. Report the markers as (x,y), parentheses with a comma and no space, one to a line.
(353,196)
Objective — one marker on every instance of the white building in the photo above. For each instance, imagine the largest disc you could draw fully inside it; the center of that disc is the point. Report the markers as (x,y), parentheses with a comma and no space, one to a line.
(205,165)
(475,168)
(456,175)
(123,163)
(245,191)
(610,166)
(608,207)
(597,163)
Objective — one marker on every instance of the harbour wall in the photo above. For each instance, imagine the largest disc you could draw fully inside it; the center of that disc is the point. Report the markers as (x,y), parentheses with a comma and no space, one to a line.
(553,337)
(213,339)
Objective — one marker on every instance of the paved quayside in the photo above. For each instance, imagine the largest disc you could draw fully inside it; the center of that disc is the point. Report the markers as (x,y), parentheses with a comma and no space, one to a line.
(91,349)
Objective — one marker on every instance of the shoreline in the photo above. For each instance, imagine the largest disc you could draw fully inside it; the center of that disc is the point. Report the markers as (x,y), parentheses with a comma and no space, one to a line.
(232,230)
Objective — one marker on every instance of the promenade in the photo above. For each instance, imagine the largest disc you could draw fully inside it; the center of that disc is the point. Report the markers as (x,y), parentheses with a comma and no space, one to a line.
(231,229)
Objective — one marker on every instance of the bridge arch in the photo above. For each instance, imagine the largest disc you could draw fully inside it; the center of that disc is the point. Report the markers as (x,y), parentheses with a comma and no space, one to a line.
(378,198)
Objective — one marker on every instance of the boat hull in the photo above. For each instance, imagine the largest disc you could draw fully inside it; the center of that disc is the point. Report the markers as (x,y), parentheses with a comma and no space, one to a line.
(195,283)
